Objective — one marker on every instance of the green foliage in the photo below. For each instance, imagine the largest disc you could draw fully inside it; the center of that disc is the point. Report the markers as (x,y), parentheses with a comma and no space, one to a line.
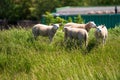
(23,58)
(50,19)
(6,8)
(13,10)
(60,20)
(70,19)
(79,19)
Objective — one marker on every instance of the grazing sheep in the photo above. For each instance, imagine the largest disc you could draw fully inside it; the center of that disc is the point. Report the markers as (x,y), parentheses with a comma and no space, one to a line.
(45,30)
(101,33)
(86,26)
(77,34)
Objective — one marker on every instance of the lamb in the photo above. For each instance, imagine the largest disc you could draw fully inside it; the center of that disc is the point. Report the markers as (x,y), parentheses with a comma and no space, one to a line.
(45,30)
(86,26)
(76,34)
(101,33)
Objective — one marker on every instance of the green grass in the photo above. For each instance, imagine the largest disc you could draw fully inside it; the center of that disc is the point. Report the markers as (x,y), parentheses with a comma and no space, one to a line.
(23,58)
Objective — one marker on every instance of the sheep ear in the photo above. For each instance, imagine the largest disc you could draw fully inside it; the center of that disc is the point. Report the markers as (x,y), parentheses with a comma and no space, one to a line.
(52,24)
(91,21)
(60,24)
(102,26)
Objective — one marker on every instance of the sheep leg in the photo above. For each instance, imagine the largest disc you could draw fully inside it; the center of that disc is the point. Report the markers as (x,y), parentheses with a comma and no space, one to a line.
(65,37)
(86,40)
(98,40)
(80,44)
(104,41)
(35,34)
(35,37)
(50,38)
(86,43)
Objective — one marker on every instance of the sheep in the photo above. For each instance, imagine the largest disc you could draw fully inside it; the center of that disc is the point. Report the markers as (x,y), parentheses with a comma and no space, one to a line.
(45,30)
(101,33)
(76,34)
(86,26)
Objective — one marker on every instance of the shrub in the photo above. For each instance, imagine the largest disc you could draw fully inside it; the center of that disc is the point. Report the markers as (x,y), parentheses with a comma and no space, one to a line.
(78,19)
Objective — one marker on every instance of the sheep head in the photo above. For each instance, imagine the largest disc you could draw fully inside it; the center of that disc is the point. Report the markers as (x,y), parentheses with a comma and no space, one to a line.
(92,24)
(55,26)
(99,28)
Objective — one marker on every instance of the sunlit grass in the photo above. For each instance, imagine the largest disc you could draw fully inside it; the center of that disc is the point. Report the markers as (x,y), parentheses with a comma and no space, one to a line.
(23,58)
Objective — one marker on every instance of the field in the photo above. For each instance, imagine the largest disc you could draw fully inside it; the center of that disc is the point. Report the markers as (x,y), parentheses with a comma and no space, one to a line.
(23,58)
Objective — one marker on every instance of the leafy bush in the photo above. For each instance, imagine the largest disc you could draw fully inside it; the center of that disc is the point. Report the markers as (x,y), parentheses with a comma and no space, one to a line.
(70,19)
(50,19)
(78,19)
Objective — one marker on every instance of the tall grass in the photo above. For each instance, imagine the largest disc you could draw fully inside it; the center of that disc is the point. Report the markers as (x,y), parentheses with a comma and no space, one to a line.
(23,58)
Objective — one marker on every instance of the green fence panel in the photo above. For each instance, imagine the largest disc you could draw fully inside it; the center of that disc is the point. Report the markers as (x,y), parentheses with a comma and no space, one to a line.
(109,20)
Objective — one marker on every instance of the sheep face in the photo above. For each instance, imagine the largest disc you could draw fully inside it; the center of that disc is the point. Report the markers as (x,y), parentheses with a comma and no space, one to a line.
(99,28)
(93,25)
(101,33)
(55,26)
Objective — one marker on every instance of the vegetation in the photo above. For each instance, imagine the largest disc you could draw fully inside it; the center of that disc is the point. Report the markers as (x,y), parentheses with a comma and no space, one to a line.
(13,10)
(23,58)
(50,19)
(79,19)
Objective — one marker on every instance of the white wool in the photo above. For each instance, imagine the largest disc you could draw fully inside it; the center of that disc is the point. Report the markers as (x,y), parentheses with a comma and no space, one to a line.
(101,33)
(45,30)
(99,28)
(77,34)
(86,26)
(92,24)
(55,26)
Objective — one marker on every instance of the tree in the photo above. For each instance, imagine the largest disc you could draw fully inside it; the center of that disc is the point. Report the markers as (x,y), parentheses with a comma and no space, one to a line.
(69,19)
(78,19)
(49,18)
(6,8)
(14,10)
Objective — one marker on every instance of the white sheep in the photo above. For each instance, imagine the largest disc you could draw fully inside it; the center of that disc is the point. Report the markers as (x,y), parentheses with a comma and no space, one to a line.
(101,33)
(86,26)
(45,30)
(77,34)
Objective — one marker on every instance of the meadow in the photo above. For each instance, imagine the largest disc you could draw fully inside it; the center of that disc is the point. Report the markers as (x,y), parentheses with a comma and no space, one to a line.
(23,58)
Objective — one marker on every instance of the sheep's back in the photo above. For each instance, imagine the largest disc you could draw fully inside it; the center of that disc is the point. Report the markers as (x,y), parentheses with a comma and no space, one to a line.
(80,26)
(41,29)
(75,25)
(76,32)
